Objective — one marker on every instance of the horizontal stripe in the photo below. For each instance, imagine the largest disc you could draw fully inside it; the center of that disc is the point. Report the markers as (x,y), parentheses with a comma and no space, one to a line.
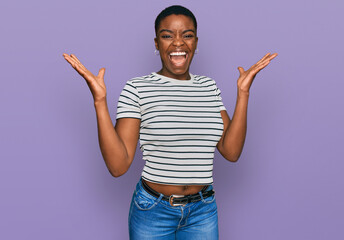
(144,85)
(128,112)
(191,168)
(128,115)
(180,126)
(163,151)
(189,106)
(177,111)
(179,140)
(176,101)
(180,158)
(176,96)
(195,128)
(188,182)
(175,176)
(175,164)
(192,122)
(180,134)
(130,93)
(154,91)
(169,170)
(125,103)
(134,100)
(184,145)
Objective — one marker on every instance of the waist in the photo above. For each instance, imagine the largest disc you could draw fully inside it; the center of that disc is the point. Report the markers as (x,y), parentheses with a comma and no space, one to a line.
(168,190)
(176,199)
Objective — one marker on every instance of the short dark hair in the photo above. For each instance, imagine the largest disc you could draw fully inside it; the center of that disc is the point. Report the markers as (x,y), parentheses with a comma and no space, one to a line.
(177,10)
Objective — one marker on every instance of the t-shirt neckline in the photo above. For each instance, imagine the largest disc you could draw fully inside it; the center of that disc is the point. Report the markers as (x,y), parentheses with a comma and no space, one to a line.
(173,80)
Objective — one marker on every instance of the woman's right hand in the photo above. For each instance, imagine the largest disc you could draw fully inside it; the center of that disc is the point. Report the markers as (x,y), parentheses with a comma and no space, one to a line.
(95,83)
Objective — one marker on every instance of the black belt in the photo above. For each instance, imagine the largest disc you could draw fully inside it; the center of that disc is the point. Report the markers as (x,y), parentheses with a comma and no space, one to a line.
(176,200)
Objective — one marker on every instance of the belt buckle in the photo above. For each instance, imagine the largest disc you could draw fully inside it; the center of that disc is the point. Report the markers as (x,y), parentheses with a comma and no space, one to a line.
(170,200)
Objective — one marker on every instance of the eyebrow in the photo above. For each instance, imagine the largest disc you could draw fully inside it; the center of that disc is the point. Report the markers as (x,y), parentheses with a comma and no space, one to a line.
(170,31)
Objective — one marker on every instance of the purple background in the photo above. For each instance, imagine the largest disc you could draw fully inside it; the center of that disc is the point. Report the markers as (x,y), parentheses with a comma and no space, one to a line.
(288,183)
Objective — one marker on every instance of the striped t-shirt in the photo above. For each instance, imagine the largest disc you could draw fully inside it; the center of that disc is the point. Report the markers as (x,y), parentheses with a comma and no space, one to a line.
(180,126)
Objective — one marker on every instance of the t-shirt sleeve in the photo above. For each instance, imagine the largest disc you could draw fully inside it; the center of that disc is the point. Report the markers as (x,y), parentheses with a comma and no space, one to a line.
(128,103)
(219,98)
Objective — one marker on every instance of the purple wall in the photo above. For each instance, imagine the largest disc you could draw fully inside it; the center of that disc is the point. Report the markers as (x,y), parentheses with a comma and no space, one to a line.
(288,183)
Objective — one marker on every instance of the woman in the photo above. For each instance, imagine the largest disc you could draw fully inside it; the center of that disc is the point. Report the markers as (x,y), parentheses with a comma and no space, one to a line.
(180,119)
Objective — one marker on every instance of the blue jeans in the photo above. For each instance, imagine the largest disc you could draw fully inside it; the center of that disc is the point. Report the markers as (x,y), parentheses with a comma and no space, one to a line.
(153,218)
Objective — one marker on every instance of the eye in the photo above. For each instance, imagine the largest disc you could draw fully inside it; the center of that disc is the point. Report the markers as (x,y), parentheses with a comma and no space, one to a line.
(189,36)
(166,36)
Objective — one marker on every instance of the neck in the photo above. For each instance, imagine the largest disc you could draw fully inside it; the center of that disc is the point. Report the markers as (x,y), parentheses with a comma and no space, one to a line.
(183,76)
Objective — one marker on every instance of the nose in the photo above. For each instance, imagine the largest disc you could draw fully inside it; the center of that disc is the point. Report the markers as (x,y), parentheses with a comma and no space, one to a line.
(178,41)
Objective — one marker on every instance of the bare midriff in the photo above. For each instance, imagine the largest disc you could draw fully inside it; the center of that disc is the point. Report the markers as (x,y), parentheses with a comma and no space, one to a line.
(168,190)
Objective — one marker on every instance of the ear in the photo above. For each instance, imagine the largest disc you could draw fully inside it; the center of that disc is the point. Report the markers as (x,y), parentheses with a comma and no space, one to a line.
(156,43)
(196,42)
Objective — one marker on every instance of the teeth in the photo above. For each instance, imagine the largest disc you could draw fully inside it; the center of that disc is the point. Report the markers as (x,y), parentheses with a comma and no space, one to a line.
(177,53)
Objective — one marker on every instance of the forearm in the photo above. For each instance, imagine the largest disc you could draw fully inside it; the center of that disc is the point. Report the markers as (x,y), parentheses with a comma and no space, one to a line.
(234,137)
(112,147)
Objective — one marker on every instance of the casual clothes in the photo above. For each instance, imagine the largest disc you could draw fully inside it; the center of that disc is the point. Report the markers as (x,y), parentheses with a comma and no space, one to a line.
(180,126)
(152,218)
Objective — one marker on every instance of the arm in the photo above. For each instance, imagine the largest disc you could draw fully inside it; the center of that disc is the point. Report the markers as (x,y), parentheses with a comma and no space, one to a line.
(117,145)
(233,138)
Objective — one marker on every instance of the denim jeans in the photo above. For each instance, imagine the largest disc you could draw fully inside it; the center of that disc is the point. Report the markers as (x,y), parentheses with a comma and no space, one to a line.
(153,218)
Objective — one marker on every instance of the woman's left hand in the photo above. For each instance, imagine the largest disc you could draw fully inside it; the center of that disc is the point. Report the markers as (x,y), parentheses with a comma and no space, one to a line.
(246,77)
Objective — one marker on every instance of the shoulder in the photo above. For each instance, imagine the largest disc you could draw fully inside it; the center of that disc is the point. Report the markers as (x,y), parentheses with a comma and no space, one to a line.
(143,79)
(204,80)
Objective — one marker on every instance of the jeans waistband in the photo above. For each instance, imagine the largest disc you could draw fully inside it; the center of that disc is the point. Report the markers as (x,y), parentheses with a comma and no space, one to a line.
(176,200)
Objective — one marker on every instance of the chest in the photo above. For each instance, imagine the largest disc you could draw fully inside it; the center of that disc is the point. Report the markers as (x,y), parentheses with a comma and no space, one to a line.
(180,111)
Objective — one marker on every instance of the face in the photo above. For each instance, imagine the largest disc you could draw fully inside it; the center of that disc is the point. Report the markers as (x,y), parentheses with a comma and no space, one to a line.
(176,41)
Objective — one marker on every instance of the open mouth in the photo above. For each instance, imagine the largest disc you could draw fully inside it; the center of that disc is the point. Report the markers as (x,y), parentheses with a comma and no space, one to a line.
(178,58)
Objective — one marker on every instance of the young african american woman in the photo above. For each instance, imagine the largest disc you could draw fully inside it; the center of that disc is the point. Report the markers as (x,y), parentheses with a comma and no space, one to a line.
(180,119)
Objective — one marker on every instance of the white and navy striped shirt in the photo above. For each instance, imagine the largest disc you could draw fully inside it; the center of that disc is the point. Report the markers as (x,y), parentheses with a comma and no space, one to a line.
(180,126)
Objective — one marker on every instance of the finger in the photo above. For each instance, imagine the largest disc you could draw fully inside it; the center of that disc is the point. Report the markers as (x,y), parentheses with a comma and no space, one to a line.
(77,60)
(263,65)
(74,57)
(263,58)
(101,73)
(70,60)
(257,67)
(80,70)
(257,64)
(268,60)
(241,70)
(75,65)
(273,56)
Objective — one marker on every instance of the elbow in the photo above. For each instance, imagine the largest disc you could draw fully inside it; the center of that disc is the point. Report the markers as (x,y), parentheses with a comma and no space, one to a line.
(118,171)
(117,168)
(232,154)
(232,157)
(115,174)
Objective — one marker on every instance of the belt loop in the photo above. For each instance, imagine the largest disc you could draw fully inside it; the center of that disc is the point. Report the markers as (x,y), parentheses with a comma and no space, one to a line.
(201,194)
(202,191)
(160,197)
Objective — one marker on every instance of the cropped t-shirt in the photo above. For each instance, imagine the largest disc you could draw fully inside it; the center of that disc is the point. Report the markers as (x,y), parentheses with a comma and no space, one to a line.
(180,127)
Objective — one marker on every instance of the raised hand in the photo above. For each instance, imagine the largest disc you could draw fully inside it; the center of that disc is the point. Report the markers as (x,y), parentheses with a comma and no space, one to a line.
(95,83)
(246,77)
